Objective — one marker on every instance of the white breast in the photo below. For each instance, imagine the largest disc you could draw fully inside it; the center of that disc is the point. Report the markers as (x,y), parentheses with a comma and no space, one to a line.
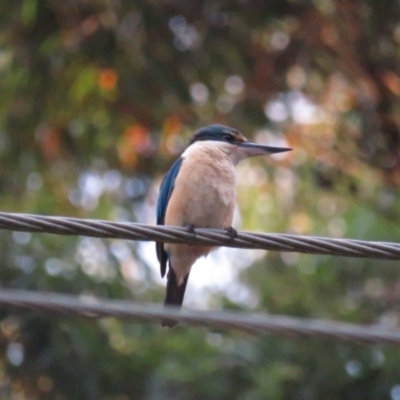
(205,191)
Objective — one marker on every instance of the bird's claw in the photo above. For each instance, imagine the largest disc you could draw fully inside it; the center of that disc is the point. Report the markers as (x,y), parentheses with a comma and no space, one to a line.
(191,230)
(232,232)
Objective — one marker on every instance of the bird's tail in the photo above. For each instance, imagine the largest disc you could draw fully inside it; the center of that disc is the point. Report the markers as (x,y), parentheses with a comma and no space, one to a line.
(174,295)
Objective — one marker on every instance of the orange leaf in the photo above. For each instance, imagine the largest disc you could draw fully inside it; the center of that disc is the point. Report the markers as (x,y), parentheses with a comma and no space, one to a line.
(108,78)
(172,125)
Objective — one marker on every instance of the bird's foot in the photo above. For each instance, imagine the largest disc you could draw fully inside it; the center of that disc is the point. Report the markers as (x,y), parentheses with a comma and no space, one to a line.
(232,232)
(191,230)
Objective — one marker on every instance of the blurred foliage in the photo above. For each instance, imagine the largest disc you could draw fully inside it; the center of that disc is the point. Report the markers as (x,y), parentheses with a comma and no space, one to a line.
(98,98)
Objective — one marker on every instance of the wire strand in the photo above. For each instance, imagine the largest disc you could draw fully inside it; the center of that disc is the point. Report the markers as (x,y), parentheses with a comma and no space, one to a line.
(252,323)
(259,324)
(200,236)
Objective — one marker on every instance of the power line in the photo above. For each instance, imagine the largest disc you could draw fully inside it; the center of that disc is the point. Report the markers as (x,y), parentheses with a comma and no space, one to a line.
(213,237)
(247,322)
(253,323)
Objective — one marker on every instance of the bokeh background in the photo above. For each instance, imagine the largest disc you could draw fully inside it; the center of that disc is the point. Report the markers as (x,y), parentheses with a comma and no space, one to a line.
(98,98)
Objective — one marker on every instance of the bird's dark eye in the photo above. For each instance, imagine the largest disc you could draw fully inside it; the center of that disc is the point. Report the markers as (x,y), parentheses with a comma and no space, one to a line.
(229,138)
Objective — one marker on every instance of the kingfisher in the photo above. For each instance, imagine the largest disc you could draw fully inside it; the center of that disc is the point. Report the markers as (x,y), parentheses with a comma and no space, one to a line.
(199,191)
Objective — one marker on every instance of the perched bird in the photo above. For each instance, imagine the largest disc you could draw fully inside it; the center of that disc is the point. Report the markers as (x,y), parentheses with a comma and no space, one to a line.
(199,191)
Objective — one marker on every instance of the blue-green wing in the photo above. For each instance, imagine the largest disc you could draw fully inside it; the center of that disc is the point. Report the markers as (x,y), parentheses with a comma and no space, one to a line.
(167,186)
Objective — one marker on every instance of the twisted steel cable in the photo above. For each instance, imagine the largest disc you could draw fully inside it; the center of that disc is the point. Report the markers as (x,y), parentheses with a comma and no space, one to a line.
(213,237)
(251,323)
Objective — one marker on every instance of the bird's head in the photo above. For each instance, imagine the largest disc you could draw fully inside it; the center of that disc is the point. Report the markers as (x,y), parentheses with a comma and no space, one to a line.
(233,142)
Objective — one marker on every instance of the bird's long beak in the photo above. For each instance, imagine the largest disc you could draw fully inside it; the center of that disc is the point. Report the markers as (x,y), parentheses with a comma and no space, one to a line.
(255,149)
